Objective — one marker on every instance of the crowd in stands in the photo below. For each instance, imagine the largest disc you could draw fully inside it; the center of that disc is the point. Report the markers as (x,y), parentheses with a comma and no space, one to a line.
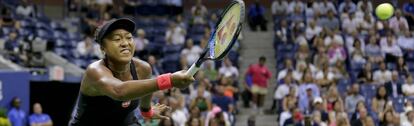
(339,65)
(167,38)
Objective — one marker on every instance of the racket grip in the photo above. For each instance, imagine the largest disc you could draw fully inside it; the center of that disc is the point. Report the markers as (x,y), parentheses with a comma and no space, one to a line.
(193,69)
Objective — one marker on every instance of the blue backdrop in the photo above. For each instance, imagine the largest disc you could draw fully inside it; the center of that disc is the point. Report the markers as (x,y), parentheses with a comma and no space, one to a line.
(15,83)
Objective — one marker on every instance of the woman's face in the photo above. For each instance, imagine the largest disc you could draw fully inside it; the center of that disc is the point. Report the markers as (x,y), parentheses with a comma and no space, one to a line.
(400,61)
(195,122)
(389,117)
(382,92)
(119,45)
(360,105)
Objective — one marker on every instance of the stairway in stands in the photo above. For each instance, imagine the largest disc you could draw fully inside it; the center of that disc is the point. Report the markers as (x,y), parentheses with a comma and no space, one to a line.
(254,45)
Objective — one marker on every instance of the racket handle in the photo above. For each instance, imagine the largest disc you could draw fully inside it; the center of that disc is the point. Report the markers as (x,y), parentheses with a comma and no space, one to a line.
(193,69)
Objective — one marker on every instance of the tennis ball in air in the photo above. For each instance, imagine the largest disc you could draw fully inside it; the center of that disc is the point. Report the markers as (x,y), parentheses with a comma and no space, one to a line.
(384,11)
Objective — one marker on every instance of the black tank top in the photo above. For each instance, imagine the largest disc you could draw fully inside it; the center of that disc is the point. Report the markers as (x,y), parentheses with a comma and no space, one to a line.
(105,111)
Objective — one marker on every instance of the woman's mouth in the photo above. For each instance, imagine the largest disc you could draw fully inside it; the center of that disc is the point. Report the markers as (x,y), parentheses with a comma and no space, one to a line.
(125,51)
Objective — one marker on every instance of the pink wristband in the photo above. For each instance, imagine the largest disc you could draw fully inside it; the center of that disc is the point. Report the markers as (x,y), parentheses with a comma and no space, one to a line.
(164,81)
(148,114)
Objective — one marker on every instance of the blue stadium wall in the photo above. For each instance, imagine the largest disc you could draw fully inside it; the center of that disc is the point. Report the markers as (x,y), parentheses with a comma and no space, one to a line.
(57,97)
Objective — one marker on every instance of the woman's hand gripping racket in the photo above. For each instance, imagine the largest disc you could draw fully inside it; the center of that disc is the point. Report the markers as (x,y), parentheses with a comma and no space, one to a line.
(223,36)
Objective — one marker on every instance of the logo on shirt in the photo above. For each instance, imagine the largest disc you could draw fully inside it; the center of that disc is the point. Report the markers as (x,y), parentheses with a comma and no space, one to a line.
(125,104)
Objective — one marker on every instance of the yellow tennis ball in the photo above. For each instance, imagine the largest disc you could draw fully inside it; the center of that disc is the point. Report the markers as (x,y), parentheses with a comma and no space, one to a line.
(384,11)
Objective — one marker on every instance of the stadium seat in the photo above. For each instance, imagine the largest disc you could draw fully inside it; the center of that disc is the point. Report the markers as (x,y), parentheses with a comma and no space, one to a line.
(368,91)
(398,104)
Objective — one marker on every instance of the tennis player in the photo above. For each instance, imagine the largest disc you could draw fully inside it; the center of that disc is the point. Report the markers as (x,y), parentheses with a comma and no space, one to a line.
(113,87)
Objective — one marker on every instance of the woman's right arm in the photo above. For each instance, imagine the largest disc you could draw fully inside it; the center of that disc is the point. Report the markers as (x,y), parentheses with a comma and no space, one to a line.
(102,81)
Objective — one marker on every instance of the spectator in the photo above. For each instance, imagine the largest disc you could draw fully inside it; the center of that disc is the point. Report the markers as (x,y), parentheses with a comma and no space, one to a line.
(198,18)
(199,9)
(284,90)
(317,119)
(391,50)
(25,9)
(380,100)
(178,114)
(363,119)
(256,16)
(87,48)
(140,42)
(311,9)
(398,23)
(354,39)
(228,69)
(38,118)
(175,34)
(155,66)
(319,105)
(283,33)
(14,51)
(383,74)
(260,76)
(367,23)
(336,52)
(347,7)
(191,52)
(287,66)
(16,115)
(387,117)
(406,41)
(351,23)
(353,98)
(373,50)
(7,19)
(324,77)
(225,103)
(330,22)
(393,86)
(408,8)
(409,121)
(341,121)
(365,5)
(295,119)
(216,117)
(279,9)
(312,30)
(401,67)
(332,97)
(193,121)
(202,101)
(297,15)
(340,71)
(289,103)
(333,36)
(325,6)
(295,4)
(408,87)
(307,91)
(210,72)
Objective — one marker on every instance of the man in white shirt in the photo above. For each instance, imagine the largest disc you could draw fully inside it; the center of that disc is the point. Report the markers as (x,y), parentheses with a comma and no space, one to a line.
(382,75)
(333,37)
(325,6)
(406,41)
(200,7)
(312,30)
(398,23)
(140,40)
(347,6)
(178,114)
(88,48)
(228,69)
(25,9)
(191,52)
(279,7)
(288,66)
(293,4)
(175,34)
(391,48)
(351,24)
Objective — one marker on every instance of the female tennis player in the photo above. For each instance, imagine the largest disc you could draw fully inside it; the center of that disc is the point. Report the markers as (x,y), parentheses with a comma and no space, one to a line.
(112,88)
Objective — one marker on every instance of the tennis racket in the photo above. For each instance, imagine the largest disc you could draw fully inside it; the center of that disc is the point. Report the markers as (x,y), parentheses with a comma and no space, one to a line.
(224,35)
